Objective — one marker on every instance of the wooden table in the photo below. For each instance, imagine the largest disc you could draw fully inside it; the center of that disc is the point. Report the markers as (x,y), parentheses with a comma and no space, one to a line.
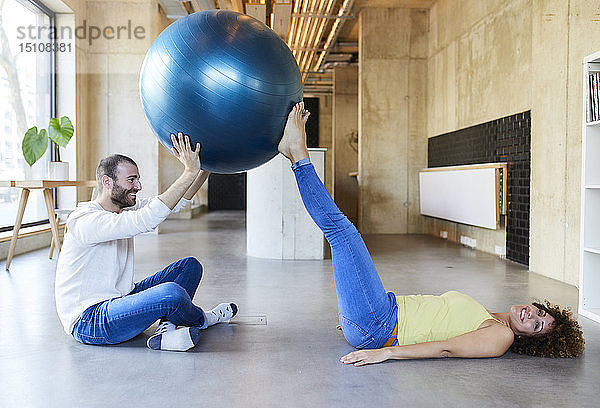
(47,186)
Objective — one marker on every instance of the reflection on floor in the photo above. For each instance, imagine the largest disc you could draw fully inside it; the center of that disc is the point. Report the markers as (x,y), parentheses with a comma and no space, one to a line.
(294,359)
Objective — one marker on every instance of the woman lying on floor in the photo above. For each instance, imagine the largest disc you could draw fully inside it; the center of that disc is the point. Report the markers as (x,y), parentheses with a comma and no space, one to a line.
(385,326)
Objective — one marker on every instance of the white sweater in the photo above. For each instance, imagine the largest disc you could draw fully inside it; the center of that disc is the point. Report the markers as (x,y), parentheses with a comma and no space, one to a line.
(96,260)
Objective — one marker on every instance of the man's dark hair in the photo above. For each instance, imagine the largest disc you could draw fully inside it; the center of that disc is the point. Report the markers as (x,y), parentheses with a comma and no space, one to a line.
(108,167)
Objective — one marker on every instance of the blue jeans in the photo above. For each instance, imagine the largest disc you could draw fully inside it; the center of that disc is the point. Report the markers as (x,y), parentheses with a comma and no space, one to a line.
(367,313)
(166,294)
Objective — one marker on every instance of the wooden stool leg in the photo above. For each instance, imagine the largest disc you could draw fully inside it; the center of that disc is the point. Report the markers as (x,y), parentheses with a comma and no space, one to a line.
(19,220)
(63,238)
(51,249)
(52,217)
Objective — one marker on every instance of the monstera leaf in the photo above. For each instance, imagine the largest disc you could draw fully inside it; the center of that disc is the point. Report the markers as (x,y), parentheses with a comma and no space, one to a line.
(60,132)
(34,144)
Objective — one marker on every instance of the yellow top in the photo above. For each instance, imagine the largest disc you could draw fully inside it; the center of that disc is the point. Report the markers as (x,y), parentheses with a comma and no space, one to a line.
(423,318)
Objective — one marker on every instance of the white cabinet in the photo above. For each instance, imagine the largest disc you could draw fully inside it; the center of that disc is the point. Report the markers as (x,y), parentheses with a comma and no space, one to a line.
(589,277)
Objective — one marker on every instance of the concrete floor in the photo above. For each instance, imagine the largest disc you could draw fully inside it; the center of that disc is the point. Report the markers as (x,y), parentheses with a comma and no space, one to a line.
(293,361)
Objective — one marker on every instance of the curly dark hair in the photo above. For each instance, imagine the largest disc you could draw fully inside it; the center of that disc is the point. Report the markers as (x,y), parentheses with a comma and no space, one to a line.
(564,340)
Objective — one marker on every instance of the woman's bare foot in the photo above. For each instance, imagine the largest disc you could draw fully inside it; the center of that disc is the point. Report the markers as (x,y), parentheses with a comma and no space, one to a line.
(293,142)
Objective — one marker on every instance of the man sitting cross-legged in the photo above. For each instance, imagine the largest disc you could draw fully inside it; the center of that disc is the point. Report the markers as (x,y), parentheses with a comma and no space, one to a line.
(96,299)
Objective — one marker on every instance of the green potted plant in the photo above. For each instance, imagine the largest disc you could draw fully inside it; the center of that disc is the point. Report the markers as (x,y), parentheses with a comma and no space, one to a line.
(35,144)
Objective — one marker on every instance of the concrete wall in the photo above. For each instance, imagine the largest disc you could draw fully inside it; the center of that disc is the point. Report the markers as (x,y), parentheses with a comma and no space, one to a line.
(109,116)
(563,33)
(391,89)
(479,70)
(277,224)
(115,119)
(549,144)
(345,150)
(498,57)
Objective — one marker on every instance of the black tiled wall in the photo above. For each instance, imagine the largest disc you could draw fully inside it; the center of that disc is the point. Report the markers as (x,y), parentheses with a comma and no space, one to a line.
(508,140)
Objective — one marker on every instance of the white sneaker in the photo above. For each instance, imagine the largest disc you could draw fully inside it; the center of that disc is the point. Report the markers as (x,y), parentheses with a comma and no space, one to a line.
(168,337)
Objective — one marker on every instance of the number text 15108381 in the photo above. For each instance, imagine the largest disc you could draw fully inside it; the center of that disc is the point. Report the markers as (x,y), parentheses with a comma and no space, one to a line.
(45,47)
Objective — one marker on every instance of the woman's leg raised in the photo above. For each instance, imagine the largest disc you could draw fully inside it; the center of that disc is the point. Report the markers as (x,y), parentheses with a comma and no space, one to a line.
(367,313)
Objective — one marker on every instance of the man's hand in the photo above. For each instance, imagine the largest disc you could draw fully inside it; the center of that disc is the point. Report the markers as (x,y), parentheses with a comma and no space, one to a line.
(363,357)
(183,151)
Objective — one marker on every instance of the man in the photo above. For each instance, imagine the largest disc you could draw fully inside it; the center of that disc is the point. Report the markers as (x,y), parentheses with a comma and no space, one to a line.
(96,299)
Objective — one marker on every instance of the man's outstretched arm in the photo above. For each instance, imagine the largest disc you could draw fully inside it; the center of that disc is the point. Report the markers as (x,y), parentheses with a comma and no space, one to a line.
(198,182)
(191,162)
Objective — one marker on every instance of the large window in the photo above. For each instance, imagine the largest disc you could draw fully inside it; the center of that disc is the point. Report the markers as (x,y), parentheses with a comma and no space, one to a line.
(26,100)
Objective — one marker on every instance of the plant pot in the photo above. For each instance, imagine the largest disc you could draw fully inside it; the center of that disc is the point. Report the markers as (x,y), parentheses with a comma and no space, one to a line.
(58,170)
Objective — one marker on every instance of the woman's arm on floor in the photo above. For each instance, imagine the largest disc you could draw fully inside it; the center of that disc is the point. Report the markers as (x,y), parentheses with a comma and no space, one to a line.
(492,341)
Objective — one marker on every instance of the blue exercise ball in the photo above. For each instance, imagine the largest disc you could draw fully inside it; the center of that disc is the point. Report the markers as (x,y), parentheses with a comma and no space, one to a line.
(226,80)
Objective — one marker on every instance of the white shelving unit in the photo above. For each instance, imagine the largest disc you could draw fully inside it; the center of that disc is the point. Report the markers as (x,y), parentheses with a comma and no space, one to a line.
(589,276)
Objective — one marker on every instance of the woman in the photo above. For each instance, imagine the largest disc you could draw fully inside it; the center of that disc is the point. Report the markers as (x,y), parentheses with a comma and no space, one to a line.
(385,326)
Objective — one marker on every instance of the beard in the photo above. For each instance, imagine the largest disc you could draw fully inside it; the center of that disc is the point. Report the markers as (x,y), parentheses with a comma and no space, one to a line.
(121,197)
